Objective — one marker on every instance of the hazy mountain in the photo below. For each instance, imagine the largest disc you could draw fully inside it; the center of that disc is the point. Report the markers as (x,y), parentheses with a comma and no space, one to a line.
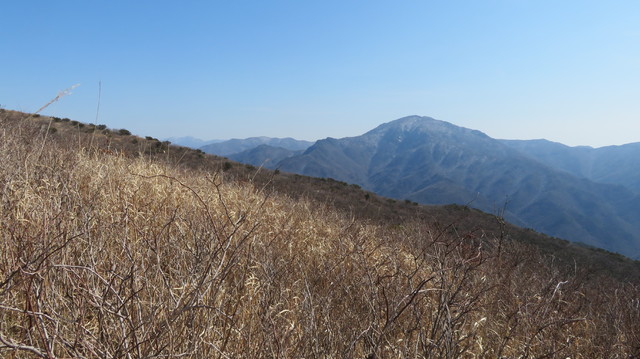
(235,145)
(610,164)
(191,142)
(430,161)
(264,156)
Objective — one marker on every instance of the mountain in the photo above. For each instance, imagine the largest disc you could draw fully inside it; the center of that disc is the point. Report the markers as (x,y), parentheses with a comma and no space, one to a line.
(429,161)
(235,145)
(264,156)
(191,142)
(610,164)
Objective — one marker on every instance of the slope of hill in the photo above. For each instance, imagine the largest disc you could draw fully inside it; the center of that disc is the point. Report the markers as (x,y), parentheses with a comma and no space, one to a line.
(114,246)
(348,199)
(233,146)
(611,164)
(430,161)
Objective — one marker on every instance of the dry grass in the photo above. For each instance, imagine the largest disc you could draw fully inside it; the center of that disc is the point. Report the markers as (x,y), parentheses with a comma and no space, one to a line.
(107,256)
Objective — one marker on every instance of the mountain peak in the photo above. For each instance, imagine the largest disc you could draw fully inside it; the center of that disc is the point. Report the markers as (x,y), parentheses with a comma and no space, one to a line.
(410,123)
(424,124)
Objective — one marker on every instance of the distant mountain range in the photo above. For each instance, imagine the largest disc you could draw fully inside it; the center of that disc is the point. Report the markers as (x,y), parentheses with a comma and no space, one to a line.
(191,142)
(265,155)
(236,146)
(577,193)
(259,151)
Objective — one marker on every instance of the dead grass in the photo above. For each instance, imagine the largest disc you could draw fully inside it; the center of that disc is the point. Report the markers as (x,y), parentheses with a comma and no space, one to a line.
(104,255)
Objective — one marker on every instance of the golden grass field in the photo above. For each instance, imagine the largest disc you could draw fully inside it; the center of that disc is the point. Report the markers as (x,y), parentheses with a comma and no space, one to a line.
(107,255)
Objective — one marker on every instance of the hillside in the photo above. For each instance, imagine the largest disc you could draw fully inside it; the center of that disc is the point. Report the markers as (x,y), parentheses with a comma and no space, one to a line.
(434,162)
(118,246)
(350,200)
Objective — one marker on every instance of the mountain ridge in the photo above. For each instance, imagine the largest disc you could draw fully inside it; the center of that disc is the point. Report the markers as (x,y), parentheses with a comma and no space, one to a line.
(617,164)
(190,141)
(237,145)
(264,156)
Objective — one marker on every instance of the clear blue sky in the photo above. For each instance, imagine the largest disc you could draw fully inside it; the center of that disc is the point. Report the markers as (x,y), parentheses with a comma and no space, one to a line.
(568,71)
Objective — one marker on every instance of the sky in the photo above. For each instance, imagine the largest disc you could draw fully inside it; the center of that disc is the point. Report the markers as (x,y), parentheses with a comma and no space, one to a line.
(567,71)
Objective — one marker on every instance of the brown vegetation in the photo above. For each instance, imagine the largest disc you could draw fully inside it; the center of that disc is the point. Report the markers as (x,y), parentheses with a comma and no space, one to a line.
(112,254)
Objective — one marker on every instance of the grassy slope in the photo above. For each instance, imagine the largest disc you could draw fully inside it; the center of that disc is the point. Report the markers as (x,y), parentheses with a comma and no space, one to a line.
(105,253)
(350,199)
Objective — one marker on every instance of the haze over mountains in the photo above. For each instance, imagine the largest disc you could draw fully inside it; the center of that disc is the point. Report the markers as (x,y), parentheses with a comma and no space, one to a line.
(265,155)
(576,193)
(192,142)
(234,146)
(258,151)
